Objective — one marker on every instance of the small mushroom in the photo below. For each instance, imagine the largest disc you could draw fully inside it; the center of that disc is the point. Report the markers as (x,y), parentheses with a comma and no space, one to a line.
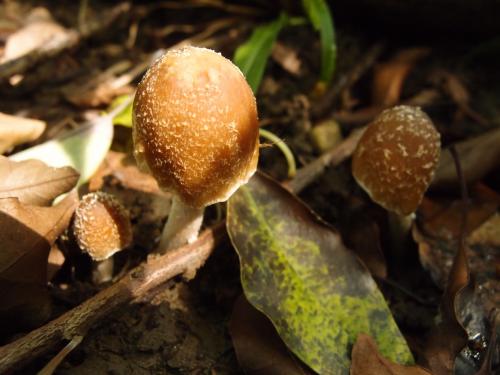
(394,163)
(101,228)
(195,129)
(396,157)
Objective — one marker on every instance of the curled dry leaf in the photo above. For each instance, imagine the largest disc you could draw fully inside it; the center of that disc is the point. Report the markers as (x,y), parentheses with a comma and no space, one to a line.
(33,182)
(367,360)
(23,259)
(389,77)
(478,157)
(124,168)
(287,57)
(259,349)
(40,31)
(16,130)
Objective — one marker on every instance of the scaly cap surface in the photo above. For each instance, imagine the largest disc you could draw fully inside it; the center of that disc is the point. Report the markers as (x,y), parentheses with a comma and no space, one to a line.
(101,226)
(396,157)
(195,126)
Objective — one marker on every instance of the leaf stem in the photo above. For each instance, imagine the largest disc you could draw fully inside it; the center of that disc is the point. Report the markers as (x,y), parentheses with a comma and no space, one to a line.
(287,153)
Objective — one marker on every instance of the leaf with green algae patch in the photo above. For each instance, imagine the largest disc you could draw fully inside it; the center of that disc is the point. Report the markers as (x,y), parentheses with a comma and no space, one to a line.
(295,269)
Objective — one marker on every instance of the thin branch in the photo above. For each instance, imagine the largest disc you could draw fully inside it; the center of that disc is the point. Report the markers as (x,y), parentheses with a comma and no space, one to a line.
(78,321)
(306,175)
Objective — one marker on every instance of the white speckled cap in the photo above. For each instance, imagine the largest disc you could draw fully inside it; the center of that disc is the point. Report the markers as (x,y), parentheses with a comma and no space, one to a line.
(195,126)
(102,225)
(396,157)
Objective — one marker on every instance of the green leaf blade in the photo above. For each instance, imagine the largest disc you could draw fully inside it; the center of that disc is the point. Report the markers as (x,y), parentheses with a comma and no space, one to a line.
(321,18)
(296,270)
(251,57)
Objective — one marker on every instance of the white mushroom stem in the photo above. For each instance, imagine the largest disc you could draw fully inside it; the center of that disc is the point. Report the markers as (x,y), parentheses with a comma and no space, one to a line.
(182,227)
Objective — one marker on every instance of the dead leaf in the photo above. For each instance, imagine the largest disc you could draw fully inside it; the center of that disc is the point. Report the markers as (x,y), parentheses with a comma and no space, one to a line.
(442,219)
(99,90)
(367,360)
(389,77)
(453,86)
(16,130)
(478,157)
(124,168)
(33,182)
(488,234)
(40,31)
(23,258)
(287,58)
(258,346)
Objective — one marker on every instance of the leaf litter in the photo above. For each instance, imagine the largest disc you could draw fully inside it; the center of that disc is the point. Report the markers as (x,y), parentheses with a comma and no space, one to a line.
(441,94)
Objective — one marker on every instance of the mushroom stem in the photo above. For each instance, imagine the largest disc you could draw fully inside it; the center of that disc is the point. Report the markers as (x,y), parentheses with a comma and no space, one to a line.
(400,226)
(182,227)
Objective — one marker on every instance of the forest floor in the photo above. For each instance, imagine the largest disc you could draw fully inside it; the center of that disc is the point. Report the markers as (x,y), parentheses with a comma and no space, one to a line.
(182,327)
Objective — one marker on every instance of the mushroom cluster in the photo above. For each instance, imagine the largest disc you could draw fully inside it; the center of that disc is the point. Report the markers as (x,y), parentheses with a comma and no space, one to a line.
(195,129)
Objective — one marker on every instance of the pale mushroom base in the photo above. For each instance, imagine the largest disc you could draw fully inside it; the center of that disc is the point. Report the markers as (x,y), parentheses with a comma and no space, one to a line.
(182,227)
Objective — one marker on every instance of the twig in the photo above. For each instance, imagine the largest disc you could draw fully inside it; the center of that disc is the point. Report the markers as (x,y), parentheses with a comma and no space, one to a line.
(323,106)
(460,261)
(145,277)
(313,170)
(56,361)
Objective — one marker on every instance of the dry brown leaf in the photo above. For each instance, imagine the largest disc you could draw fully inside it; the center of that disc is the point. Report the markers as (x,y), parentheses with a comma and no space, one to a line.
(33,182)
(258,347)
(453,86)
(488,233)
(367,360)
(442,220)
(389,76)
(25,246)
(40,31)
(18,130)
(124,168)
(478,157)
(287,58)
(98,90)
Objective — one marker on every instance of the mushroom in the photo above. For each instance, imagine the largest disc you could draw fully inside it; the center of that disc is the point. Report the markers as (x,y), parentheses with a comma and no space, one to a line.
(195,129)
(395,160)
(101,228)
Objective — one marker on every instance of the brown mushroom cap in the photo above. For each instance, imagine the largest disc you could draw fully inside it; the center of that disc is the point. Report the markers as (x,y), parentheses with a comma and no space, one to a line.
(396,157)
(101,226)
(195,126)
